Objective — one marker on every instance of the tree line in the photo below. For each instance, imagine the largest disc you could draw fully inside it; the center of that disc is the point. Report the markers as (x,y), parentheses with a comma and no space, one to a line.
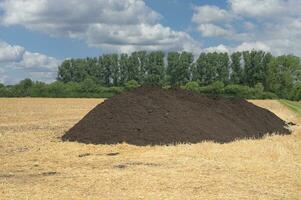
(250,74)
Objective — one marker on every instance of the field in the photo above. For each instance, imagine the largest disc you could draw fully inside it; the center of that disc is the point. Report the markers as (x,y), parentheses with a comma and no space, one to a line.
(36,164)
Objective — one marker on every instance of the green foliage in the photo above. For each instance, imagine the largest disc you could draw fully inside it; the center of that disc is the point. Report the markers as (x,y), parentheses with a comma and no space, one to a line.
(255,67)
(249,74)
(192,86)
(106,69)
(296,93)
(22,89)
(237,70)
(178,68)
(283,75)
(155,68)
(239,91)
(132,84)
(235,90)
(215,89)
(259,90)
(212,67)
(268,95)
(87,88)
(133,67)
(88,85)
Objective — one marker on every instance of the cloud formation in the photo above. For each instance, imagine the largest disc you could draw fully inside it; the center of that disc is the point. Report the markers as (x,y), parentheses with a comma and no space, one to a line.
(270,25)
(257,8)
(130,25)
(212,30)
(114,25)
(210,14)
(10,53)
(14,57)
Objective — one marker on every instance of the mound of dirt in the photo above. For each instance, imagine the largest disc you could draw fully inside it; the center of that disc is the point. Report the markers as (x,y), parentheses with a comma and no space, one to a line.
(154,116)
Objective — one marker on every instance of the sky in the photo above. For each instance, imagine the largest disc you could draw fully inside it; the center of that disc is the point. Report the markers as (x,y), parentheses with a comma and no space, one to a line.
(37,35)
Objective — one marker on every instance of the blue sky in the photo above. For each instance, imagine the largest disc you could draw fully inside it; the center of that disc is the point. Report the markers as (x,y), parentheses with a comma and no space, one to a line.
(36,35)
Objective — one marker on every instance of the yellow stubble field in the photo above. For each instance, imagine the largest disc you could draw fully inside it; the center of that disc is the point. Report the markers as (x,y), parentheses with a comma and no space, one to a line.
(36,164)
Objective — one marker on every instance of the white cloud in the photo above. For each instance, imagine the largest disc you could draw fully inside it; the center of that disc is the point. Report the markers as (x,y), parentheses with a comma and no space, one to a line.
(257,8)
(212,21)
(138,37)
(264,10)
(220,49)
(209,14)
(10,53)
(246,46)
(113,25)
(130,25)
(36,60)
(47,77)
(206,17)
(17,58)
(211,30)
(284,37)
(270,25)
(279,23)
(62,17)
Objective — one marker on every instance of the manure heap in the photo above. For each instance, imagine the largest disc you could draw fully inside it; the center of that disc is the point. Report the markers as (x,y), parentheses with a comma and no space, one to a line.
(154,116)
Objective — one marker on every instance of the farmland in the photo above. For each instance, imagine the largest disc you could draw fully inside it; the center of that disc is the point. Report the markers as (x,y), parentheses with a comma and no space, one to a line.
(36,164)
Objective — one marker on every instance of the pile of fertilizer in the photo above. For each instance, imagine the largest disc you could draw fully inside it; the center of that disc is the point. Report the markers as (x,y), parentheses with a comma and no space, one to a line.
(154,116)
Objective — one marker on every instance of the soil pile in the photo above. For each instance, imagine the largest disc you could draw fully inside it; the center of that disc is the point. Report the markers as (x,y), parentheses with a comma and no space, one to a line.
(153,116)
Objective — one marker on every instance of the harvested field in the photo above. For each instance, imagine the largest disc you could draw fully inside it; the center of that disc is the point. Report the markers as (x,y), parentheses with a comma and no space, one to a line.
(36,164)
(154,116)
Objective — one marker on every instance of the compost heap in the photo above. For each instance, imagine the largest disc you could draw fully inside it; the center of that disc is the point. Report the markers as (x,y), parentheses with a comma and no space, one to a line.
(154,116)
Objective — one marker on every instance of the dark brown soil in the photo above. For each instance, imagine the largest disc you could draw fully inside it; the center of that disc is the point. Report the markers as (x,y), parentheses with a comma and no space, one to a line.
(153,116)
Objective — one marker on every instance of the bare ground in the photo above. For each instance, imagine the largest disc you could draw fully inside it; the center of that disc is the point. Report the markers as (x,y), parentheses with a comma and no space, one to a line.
(35,164)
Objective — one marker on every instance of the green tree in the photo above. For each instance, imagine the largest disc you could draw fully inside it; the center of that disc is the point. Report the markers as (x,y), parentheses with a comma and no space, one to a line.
(115,69)
(193,86)
(79,70)
(236,68)
(88,85)
(131,84)
(178,68)
(155,68)
(283,74)
(222,66)
(124,66)
(211,67)
(202,69)
(65,71)
(57,89)
(265,62)
(39,89)
(255,67)
(183,69)
(93,69)
(133,67)
(23,87)
(143,60)
(171,71)
(106,71)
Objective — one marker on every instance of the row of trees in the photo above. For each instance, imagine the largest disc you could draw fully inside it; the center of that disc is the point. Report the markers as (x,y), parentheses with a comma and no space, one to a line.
(279,75)
(250,74)
(89,88)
